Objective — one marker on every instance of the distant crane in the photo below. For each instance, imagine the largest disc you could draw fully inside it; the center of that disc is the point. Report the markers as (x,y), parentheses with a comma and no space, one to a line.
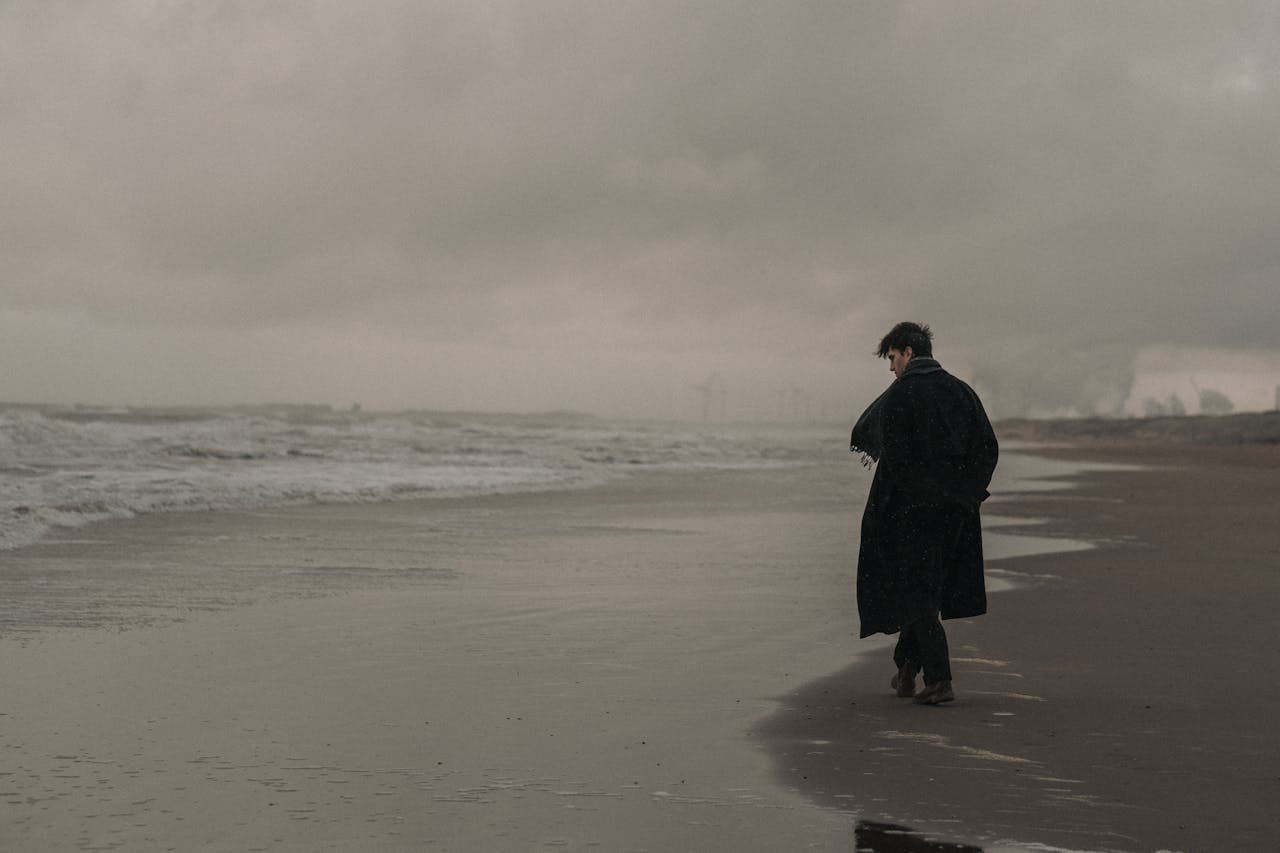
(713,392)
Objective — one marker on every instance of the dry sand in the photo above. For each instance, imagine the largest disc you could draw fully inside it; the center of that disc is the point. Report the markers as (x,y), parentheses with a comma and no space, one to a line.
(645,666)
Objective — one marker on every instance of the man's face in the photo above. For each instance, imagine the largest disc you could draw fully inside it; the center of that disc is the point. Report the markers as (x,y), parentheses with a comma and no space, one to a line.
(898,360)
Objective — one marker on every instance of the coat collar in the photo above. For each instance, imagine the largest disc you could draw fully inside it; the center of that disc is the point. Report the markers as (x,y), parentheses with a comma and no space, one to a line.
(921,365)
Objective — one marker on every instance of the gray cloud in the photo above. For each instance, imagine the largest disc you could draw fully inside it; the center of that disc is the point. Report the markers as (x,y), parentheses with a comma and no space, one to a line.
(684,188)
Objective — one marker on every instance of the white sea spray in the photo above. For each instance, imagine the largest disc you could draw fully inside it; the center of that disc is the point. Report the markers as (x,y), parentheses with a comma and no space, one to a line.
(65,467)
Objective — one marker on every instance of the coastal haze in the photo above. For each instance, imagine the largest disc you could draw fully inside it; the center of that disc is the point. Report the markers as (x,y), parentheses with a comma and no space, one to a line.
(706,211)
(424,426)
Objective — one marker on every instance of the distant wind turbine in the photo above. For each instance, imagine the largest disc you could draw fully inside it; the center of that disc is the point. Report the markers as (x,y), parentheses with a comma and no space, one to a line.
(713,390)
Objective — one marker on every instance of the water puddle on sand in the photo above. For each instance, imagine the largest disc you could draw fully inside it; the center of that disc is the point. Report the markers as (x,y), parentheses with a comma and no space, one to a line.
(1009,538)
(999,545)
(1020,470)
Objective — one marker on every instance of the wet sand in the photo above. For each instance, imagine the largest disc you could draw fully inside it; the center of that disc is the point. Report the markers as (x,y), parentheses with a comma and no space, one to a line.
(663,664)
(567,671)
(1119,698)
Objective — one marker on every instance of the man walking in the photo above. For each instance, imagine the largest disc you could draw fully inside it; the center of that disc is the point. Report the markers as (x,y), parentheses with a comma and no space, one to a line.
(920,558)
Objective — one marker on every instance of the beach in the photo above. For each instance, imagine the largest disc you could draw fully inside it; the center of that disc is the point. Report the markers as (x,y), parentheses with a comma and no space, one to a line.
(1117,698)
(668,662)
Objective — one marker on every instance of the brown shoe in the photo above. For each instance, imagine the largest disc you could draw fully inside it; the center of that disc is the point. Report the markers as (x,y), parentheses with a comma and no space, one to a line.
(904,681)
(936,694)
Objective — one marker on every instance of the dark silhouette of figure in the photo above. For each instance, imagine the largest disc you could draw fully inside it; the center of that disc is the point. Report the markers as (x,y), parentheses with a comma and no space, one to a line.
(920,558)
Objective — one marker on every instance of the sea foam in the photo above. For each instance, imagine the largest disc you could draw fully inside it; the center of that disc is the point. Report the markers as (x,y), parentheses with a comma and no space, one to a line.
(69,467)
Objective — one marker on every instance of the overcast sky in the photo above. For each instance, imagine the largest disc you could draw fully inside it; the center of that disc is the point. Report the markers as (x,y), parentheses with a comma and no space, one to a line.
(598,205)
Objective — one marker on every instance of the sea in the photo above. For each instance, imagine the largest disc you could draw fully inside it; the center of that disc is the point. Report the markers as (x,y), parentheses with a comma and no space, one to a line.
(63,466)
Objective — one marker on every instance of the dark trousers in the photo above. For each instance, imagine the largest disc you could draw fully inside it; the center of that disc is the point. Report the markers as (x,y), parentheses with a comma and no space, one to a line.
(922,644)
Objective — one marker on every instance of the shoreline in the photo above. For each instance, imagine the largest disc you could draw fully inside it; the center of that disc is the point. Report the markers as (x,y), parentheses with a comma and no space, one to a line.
(1117,699)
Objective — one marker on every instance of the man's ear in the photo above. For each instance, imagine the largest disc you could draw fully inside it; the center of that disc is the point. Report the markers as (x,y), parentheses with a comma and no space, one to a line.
(908,352)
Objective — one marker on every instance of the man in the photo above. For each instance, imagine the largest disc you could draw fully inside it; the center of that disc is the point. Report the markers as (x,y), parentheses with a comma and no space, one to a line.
(920,559)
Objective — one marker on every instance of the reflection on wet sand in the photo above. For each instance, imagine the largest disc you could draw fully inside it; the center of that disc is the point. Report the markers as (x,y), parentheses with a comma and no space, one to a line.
(872,837)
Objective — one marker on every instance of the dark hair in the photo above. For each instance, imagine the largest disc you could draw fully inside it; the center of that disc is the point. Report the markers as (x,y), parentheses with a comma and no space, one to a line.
(903,335)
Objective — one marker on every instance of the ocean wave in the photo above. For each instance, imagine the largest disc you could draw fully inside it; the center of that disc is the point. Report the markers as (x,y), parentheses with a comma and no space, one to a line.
(63,468)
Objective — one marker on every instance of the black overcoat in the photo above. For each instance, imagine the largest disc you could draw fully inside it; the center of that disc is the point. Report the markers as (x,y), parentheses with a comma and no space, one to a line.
(921,548)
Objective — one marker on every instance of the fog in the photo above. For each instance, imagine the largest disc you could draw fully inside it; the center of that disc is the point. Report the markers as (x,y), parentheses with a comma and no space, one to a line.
(601,205)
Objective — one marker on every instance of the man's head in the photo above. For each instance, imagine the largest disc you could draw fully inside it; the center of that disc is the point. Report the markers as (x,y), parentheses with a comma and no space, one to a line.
(904,342)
